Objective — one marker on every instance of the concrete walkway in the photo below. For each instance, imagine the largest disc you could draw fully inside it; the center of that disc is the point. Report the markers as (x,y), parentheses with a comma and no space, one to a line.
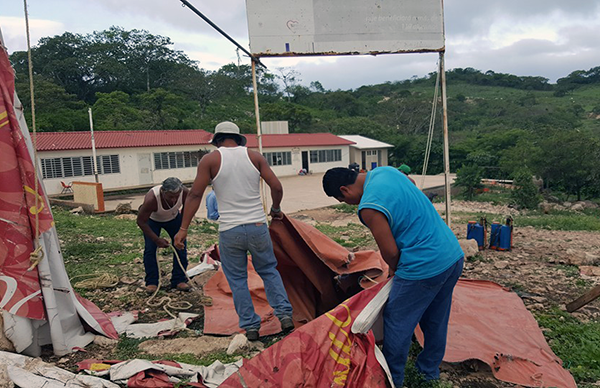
(299,193)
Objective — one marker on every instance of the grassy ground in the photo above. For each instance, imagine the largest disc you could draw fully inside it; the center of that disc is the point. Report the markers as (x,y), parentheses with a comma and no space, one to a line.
(95,244)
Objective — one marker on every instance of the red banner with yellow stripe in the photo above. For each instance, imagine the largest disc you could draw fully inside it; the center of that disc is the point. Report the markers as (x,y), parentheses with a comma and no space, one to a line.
(21,209)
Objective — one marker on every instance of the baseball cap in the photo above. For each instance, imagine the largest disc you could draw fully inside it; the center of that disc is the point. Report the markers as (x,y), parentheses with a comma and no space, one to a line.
(404,168)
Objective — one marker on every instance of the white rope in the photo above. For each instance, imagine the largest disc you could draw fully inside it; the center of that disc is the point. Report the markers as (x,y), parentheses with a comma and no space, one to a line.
(168,302)
(431,127)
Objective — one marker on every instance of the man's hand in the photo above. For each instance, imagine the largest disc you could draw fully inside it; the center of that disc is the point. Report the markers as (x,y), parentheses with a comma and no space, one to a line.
(180,239)
(276,215)
(162,243)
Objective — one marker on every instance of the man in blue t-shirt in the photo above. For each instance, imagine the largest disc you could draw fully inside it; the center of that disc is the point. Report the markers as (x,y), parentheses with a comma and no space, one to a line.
(422,253)
(212,209)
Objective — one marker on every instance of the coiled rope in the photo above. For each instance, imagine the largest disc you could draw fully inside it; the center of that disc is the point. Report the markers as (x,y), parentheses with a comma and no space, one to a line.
(166,302)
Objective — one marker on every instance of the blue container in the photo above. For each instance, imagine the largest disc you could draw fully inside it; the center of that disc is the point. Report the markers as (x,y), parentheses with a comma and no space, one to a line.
(476,231)
(505,242)
(495,235)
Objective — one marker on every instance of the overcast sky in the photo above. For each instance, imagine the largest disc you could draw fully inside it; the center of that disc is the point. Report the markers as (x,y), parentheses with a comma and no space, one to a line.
(549,38)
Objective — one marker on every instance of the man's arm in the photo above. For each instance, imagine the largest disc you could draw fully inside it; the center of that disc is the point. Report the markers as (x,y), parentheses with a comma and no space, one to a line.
(271,179)
(148,207)
(194,197)
(380,228)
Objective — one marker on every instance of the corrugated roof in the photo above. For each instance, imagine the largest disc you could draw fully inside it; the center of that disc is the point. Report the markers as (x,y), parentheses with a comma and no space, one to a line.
(297,140)
(62,141)
(364,143)
(57,141)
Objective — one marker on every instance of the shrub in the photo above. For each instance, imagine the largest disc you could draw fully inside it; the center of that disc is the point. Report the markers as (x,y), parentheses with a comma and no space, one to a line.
(526,193)
(469,178)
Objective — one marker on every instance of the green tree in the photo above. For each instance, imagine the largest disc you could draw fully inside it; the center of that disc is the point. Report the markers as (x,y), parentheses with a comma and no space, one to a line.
(525,193)
(570,160)
(56,110)
(105,61)
(290,78)
(469,178)
(165,110)
(298,116)
(115,111)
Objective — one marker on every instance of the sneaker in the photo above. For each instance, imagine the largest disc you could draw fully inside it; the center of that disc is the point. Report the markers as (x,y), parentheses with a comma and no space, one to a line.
(287,324)
(252,334)
(184,287)
(151,288)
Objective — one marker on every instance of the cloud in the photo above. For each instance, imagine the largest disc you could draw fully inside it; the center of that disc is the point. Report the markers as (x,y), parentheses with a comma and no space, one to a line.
(15,34)
(229,15)
(549,38)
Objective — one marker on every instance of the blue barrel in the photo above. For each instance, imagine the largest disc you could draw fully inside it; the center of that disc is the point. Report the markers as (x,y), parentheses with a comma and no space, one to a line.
(495,235)
(476,231)
(505,242)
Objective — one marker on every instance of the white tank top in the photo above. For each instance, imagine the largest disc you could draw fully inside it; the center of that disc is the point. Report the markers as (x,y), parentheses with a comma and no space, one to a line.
(161,214)
(237,187)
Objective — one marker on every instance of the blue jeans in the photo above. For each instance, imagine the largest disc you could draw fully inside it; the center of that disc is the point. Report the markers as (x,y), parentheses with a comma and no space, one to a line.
(234,245)
(425,302)
(150,262)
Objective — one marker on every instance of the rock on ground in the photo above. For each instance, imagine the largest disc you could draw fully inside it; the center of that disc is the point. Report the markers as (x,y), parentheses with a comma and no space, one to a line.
(238,344)
(199,346)
(123,208)
(469,247)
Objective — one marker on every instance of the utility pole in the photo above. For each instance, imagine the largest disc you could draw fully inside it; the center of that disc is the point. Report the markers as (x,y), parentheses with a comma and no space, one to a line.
(93,146)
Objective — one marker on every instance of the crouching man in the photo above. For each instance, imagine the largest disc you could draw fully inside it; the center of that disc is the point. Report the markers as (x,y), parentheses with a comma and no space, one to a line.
(422,253)
(160,210)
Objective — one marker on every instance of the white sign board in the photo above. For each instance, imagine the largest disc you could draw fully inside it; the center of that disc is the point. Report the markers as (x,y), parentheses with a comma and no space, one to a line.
(334,27)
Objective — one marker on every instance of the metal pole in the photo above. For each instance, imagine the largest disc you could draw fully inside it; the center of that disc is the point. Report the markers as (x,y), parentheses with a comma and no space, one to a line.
(258,132)
(93,145)
(446,147)
(213,25)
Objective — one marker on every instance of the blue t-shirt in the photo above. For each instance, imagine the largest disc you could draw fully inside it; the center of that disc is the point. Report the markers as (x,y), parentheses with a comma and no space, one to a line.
(427,245)
(212,210)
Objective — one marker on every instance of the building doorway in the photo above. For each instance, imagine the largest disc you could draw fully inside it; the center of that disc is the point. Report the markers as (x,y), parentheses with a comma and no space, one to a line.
(145,169)
(305,160)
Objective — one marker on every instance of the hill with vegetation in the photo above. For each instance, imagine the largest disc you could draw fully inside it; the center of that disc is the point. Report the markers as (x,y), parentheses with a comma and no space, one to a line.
(501,125)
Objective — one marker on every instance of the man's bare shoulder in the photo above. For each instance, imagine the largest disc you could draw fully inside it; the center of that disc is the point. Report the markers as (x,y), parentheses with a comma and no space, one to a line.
(150,203)
(211,158)
(256,158)
(255,155)
(212,155)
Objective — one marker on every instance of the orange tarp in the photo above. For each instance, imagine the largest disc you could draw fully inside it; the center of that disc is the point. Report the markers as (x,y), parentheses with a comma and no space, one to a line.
(491,324)
(309,263)
(323,353)
(487,322)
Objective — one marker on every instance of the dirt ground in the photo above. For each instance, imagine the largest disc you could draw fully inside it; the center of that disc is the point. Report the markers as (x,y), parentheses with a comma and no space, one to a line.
(539,269)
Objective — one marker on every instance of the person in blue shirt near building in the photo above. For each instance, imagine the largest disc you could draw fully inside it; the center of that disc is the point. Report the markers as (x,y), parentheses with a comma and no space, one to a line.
(212,209)
(423,254)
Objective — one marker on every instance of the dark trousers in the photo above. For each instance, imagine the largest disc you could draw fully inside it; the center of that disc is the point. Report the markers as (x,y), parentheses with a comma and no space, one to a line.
(425,302)
(150,262)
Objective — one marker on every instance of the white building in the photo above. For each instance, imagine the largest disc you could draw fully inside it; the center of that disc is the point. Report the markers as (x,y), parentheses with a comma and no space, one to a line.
(367,153)
(134,159)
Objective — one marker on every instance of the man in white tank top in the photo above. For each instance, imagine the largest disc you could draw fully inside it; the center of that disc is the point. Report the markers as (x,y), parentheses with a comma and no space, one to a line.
(235,173)
(160,210)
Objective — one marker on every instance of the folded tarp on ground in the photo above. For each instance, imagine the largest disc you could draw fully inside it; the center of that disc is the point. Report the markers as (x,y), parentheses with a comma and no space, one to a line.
(137,373)
(488,323)
(309,263)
